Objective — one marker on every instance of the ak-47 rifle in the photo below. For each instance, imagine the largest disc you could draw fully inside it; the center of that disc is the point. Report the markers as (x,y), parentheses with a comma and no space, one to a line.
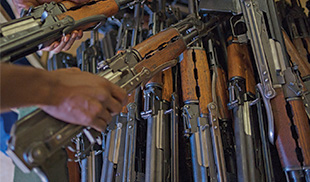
(120,158)
(281,92)
(159,112)
(38,138)
(46,23)
(241,95)
(224,150)
(195,112)
(200,113)
(294,21)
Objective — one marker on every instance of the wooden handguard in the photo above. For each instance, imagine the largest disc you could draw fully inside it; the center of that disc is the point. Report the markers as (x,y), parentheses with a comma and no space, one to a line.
(303,129)
(158,55)
(158,78)
(300,48)
(152,43)
(240,65)
(167,84)
(222,94)
(303,66)
(107,8)
(188,81)
(204,80)
(285,142)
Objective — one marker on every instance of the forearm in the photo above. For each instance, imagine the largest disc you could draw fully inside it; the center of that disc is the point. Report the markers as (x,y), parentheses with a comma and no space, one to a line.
(24,86)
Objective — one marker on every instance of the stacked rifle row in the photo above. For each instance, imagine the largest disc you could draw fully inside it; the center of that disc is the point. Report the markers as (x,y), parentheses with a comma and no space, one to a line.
(235,108)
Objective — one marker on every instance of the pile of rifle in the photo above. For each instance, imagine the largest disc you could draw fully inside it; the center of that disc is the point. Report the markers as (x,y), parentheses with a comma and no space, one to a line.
(234,108)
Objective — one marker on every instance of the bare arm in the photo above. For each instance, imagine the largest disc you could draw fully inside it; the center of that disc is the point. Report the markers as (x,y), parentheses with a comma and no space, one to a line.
(67,94)
(66,41)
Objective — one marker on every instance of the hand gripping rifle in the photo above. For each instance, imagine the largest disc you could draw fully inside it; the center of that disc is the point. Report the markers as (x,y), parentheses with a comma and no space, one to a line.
(46,23)
(288,122)
(121,160)
(37,140)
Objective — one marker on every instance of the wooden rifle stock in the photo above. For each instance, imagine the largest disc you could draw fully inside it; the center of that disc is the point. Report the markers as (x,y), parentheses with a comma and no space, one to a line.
(241,65)
(303,65)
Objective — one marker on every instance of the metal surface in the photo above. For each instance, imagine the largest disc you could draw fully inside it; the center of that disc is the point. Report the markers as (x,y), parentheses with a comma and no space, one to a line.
(220,6)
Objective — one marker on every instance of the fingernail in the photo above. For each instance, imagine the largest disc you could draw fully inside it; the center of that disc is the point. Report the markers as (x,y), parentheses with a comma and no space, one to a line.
(66,39)
(74,35)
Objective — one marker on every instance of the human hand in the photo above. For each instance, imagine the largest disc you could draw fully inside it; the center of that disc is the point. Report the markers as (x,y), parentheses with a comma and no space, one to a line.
(66,41)
(84,99)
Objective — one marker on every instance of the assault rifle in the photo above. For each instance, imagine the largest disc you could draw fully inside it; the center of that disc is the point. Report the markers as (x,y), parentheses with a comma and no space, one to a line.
(224,149)
(37,140)
(44,24)
(241,97)
(121,160)
(280,89)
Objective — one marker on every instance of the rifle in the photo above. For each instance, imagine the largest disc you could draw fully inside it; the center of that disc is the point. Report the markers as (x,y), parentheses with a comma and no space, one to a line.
(46,23)
(296,24)
(280,88)
(303,68)
(160,113)
(127,69)
(89,53)
(195,112)
(120,157)
(224,148)
(241,94)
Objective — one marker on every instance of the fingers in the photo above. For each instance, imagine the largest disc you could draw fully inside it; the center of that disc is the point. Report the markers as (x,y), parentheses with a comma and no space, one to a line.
(65,43)
(100,125)
(118,93)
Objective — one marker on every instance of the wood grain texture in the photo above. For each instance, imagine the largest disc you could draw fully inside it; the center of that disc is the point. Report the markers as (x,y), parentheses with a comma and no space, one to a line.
(303,67)
(188,81)
(222,94)
(204,80)
(301,49)
(107,8)
(155,41)
(158,78)
(240,65)
(307,39)
(303,129)
(170,52)
(283,138)
(167,84)
(73,168)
